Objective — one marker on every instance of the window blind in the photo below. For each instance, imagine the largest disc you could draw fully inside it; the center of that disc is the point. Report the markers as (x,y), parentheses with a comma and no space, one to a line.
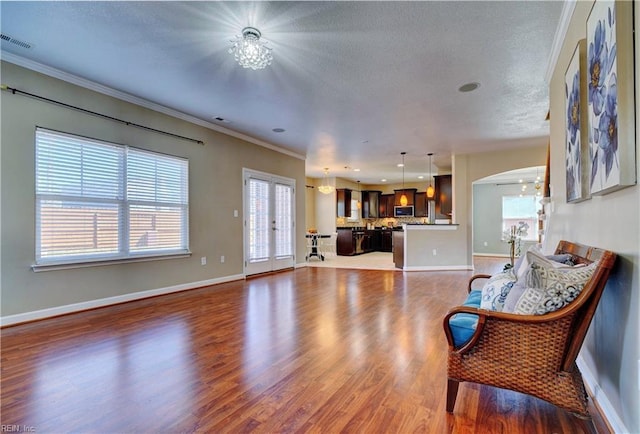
(259,227)
(97,200)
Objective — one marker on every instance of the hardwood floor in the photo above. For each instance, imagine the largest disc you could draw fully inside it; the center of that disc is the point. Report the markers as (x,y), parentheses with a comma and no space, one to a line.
(311,350)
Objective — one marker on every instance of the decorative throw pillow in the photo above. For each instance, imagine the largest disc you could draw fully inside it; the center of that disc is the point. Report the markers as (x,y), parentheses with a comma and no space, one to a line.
(496,289)
(521,266)
(548,288)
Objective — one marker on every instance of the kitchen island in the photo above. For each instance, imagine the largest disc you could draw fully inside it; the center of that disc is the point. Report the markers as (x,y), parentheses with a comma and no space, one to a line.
(429,247)
(358,240)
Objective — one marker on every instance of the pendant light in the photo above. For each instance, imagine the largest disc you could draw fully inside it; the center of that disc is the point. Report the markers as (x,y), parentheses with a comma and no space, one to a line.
(431,192)
(403,198)
(359,205)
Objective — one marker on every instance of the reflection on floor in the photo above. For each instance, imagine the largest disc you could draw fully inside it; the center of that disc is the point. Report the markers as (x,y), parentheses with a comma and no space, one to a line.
(367,261)
(384,261)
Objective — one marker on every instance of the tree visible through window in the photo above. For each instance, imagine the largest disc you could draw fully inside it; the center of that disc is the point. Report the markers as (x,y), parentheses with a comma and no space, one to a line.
(516,209)
(97,200)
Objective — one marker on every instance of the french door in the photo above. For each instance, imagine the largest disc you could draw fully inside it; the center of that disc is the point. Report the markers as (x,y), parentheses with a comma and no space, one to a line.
(269,222)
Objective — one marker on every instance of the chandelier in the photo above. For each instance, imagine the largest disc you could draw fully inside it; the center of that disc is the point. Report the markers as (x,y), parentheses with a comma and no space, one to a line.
(325,188)
(249,51)
(430,190)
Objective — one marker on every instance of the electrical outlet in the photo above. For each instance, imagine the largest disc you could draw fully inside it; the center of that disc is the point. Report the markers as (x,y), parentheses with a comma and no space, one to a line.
(235,213)
(222,259)
(435,252)
(486,244)
(203,260)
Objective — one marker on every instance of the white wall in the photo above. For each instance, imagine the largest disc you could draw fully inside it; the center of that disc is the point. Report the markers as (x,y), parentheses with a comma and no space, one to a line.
(611,352)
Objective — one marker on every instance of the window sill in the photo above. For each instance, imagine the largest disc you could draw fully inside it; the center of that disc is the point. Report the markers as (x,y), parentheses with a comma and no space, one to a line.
(37,268)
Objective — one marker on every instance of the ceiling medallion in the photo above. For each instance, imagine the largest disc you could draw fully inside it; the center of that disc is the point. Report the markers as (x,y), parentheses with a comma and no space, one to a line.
(249,51)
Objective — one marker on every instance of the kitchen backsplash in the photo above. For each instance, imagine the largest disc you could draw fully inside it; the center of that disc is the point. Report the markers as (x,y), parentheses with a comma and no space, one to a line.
(389,222)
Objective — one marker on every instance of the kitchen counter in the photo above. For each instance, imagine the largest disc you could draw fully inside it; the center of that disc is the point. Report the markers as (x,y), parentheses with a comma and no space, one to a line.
(430,247)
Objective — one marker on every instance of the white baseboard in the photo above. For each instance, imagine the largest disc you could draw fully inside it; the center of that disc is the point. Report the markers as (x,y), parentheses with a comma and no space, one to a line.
(493,255)
(437,267)
(102,302)
(600,397)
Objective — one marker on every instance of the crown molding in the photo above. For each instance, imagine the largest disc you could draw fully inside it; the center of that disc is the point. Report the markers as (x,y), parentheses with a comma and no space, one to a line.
(105,90)
(558,39)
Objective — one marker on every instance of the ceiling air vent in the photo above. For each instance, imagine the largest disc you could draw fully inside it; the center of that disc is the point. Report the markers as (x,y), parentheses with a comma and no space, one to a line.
(15,41)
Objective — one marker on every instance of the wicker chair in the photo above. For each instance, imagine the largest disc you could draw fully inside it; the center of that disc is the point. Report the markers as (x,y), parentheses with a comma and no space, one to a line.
(532,354)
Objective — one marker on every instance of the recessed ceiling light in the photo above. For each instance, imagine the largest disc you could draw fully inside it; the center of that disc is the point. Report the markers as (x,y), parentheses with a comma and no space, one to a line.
(400,164)
(383,180)
(278,130)
(469,87)
(420,177)
(356,170)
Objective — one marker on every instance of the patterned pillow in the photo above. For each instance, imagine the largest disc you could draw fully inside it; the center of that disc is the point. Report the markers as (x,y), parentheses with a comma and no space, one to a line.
(495,291)
(548,288)
(535,254)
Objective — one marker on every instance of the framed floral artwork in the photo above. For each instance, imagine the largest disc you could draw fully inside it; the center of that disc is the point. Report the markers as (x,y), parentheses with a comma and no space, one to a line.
(610,82)
(577,141)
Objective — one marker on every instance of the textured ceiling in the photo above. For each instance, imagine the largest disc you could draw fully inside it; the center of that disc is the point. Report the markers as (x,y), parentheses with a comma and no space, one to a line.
(352,83)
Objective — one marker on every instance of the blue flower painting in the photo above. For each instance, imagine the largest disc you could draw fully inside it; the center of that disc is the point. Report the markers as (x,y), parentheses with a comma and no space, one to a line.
(602,97)
(574,141)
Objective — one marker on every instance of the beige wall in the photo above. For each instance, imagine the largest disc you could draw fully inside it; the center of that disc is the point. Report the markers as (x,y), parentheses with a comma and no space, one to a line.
(468,168)
(215,192)
(611,352)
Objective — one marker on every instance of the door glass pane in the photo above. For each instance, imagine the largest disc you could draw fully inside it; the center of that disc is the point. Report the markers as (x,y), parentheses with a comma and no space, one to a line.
(259,227)
(283,219)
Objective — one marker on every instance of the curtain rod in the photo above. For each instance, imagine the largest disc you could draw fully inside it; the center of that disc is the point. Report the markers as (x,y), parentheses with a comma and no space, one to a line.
(122,121)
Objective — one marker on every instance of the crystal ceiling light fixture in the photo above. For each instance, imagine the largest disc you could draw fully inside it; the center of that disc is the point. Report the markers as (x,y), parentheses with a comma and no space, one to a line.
(403,198)
(250,51)
(325,188)
(430,190)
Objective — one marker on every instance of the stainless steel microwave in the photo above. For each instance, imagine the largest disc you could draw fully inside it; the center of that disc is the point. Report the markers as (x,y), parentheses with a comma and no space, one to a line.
(403,211)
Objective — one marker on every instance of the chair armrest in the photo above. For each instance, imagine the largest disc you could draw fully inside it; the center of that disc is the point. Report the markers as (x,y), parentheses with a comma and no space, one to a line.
(486,317)
(477,276)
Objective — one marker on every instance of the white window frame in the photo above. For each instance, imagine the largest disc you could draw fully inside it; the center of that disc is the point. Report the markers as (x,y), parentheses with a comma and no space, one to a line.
(531,220)
(158,190)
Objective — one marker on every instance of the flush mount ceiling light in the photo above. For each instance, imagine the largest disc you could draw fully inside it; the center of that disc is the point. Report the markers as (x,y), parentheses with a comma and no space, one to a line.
(469,87)
(249,51)
(430,190)
(325,188)
(403,199)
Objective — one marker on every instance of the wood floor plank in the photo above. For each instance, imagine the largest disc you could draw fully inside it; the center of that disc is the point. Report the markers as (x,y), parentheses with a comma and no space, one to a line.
(308,350)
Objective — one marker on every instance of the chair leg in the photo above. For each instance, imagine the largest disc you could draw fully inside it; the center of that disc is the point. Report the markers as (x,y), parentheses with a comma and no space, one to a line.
(452,394)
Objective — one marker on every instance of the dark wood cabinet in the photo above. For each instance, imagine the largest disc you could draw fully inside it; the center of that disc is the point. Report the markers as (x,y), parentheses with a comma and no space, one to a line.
(386,205)
(345,244)
(444,196)
(420,208)
(370,204)
(374,241)
(386,240)
(343,202)
(356,240)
